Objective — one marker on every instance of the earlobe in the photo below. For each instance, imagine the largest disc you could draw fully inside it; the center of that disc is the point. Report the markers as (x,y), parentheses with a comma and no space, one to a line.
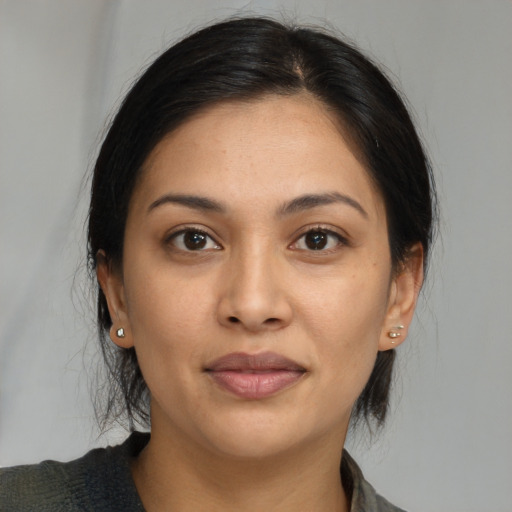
(111,283)
(403,297)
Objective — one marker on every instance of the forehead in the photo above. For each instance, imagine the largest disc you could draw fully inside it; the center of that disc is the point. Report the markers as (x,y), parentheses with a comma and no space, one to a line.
(271,149)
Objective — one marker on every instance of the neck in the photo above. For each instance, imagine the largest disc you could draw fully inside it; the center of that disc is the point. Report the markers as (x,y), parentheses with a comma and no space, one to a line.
(176,476)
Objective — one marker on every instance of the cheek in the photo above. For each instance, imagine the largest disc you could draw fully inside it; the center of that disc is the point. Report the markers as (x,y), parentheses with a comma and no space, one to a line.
(163,299)
(344,316)
(168,316)
(348,305)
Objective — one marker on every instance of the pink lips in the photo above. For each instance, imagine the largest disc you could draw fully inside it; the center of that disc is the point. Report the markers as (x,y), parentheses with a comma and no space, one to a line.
(255,376)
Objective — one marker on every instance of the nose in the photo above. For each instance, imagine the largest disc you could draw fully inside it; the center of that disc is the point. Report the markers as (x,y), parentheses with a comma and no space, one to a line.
(254,293)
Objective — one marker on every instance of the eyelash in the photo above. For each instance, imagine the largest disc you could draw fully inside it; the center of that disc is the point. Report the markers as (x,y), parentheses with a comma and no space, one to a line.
(172,237)
(340,240)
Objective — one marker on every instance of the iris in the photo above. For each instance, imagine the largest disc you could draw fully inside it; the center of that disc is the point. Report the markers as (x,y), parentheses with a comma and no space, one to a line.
(316,240)
(194,240)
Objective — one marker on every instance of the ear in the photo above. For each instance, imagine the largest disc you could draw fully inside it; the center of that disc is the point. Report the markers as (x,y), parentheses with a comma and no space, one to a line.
(403,295)
(111,282)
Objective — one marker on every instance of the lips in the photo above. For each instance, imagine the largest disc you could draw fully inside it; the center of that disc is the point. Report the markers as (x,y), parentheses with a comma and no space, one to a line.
(254,376)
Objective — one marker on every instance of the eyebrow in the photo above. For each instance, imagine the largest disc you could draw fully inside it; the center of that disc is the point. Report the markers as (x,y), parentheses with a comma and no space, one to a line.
(309,201)
(299,204)
(190,201)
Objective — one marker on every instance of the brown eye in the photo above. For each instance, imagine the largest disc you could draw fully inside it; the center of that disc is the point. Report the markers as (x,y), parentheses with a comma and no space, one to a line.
(193,240)
(318,240)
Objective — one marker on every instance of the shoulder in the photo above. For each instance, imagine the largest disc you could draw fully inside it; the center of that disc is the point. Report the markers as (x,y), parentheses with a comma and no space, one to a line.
(373,501)
(364,496)
(100,480)
(44,486)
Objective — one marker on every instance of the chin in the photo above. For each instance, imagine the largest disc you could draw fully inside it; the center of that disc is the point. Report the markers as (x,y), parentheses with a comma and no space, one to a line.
(253,444)
(258,435)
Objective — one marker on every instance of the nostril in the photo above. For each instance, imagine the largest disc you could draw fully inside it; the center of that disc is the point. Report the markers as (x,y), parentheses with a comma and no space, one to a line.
(233,319)
(271,320)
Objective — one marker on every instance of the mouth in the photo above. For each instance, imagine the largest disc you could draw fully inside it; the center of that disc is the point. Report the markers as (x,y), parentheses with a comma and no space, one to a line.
(255,376)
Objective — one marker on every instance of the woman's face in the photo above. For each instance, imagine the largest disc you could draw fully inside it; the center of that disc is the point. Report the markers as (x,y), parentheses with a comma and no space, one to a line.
(256,284)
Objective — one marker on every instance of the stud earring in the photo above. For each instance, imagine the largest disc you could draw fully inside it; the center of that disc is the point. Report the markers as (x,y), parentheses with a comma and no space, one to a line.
(393,334)
(120,332)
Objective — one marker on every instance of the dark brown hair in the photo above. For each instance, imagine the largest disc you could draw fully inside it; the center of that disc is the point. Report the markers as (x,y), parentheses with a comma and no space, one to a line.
(244,59)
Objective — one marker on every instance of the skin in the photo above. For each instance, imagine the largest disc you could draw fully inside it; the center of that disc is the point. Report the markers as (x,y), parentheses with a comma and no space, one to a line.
(255,286)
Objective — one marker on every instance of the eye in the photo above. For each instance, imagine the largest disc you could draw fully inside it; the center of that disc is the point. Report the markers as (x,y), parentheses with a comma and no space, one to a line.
(193,240)
(319,240)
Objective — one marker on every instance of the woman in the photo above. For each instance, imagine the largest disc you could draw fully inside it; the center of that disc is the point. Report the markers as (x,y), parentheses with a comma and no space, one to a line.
(260,222)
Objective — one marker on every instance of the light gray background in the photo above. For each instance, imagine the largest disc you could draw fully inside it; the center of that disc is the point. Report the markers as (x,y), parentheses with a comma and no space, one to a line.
(63,67)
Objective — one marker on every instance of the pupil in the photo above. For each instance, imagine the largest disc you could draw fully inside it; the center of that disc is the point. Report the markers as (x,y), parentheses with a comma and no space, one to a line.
(316,240)
(194,240)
